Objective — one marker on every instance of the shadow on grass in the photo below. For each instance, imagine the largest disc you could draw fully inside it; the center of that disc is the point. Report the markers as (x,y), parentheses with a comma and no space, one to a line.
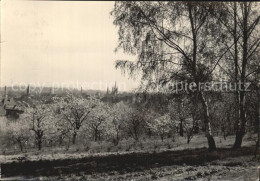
(122,163)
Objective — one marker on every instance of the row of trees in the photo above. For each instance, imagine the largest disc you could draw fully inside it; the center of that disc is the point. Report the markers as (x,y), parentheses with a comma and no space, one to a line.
(196,42)
(67,118)
(73,120)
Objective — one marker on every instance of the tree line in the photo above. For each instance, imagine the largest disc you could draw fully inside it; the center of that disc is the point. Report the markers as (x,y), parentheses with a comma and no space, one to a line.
(73,120)
(68,117)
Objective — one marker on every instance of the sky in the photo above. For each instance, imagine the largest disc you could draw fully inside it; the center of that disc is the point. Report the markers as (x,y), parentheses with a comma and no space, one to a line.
(60,43)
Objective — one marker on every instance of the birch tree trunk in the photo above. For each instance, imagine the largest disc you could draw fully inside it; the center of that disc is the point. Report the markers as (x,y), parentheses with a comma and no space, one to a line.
(208,132)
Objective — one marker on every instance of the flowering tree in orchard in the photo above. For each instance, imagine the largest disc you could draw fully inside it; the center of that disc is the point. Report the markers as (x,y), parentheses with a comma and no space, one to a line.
(179,111)
(161,125)
(75,111)
(19,132)
(183,114)
(119,115)
(98,120)
(40,124)
(62,128)
(135,123)
(189,127)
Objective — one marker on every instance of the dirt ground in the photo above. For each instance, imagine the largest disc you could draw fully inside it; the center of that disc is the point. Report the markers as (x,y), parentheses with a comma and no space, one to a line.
(240,168)
(193,163)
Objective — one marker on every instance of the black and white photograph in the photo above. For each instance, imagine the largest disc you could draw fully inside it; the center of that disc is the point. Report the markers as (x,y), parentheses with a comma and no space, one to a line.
(129,90)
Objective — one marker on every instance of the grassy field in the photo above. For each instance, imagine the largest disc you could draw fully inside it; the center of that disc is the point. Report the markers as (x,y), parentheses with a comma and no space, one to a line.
(152,160)
(124,147)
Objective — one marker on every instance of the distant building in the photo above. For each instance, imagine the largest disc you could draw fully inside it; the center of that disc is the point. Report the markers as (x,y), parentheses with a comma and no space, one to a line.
(111,96)
(113,92)
(9,108)
(28,90)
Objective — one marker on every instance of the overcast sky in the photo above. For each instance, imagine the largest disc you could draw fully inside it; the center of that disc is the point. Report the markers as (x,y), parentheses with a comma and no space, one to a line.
(60,42)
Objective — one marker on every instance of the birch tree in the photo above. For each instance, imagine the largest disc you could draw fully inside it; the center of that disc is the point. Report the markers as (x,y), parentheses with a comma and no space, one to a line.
(172,41)
(240,22)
